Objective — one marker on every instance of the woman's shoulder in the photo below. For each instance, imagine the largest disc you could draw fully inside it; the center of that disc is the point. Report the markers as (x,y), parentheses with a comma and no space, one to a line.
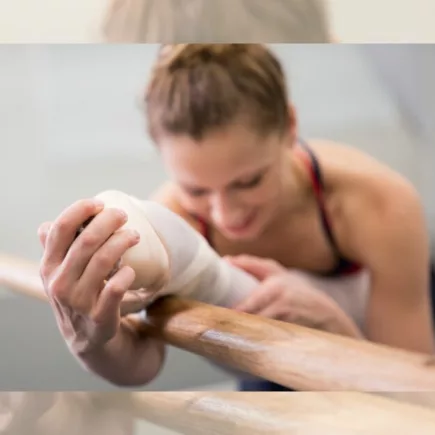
(334,155)
(349,169)
(365,190)
(366,196)
(166,194)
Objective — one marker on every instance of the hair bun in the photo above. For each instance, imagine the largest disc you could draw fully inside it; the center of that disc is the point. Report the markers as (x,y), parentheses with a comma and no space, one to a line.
(195,88)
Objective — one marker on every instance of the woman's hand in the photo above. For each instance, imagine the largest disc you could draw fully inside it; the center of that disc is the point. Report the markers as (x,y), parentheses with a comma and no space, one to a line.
(88,291)
(74,271)
(289,297)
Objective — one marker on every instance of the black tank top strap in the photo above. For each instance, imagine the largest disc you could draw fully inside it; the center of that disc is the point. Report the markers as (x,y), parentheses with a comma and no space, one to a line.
(343,266)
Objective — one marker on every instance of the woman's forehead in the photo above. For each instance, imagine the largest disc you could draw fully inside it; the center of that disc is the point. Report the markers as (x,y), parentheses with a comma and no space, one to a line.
(210,165)
(220,157)
(234,144)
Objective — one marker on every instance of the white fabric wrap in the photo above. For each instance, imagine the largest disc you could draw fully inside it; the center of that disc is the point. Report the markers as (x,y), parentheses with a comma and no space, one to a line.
(172,258)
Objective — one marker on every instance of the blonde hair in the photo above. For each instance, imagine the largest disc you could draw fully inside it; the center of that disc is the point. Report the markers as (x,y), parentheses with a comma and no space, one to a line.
(197,88)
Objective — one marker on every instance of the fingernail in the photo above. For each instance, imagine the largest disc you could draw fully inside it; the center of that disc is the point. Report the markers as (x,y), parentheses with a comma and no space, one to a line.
(44,228)
(135,235)
(98,204)
(123,215)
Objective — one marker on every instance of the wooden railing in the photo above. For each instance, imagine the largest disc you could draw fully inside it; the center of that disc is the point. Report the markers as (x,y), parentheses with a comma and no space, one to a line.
(211,413)
(291,355)
(230,413)
(288,354)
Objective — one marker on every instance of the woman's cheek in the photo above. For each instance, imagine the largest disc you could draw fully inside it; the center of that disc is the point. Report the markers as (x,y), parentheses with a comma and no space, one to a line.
(261,195)
(194,205)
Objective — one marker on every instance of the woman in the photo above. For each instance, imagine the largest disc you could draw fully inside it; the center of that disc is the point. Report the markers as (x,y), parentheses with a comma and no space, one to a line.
(334,224)
(203,21)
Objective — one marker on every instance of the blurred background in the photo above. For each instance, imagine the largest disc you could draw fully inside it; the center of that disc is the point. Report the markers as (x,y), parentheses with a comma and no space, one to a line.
(51,21)
(71,126)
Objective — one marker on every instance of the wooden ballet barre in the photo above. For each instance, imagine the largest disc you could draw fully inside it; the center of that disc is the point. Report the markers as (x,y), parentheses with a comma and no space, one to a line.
(288,354)
(211,413)
(231,413)
(21,276)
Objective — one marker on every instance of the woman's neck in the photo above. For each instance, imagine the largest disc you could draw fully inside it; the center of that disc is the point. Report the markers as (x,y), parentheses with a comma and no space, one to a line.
(297,195)
(297,184)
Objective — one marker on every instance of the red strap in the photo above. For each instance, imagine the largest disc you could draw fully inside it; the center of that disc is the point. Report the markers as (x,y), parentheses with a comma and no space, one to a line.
(314,180)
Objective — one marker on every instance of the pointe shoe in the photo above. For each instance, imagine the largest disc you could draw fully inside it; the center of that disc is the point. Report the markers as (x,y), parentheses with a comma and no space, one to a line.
(149,258)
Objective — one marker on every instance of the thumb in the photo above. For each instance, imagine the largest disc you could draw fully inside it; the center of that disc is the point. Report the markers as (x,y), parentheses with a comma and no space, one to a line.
(260,268)
(134,301)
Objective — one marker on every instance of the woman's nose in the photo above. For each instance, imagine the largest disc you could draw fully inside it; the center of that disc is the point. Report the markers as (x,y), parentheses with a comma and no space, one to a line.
(225,211)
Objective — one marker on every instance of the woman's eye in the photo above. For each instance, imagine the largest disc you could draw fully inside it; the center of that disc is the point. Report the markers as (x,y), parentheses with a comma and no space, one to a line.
(196,192)
(251,183)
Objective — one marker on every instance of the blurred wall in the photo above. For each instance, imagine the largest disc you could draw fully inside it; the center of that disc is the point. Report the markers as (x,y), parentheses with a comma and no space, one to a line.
(50,21)
(406,72)
(363,21)
(71,127)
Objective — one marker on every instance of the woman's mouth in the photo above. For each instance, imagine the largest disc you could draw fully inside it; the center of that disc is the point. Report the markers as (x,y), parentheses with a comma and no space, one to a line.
(243,227)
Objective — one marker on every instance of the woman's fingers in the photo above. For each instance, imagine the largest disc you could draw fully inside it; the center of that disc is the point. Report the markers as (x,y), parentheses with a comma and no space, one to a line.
(275,311)
(90,240)
(104,261)
(100,266)
(43,232)
(260,268)
(136,300)
(107,308)
(63,230)
(265,295)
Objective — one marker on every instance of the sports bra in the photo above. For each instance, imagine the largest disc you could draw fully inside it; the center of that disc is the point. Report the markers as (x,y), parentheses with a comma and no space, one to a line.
(343,265)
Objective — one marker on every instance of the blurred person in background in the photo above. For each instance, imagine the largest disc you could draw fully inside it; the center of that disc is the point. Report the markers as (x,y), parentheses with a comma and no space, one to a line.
(171,21)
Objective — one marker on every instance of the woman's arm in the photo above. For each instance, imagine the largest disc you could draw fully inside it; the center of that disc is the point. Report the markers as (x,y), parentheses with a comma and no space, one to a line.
(389,236)
(128,360)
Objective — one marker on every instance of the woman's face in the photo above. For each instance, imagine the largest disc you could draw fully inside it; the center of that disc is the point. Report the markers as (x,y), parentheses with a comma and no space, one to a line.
(233,178)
